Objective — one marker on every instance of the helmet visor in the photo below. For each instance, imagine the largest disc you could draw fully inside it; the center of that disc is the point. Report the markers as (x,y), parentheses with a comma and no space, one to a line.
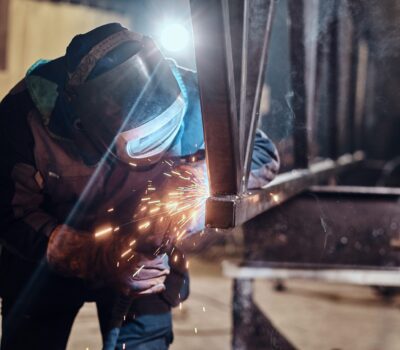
(129,103)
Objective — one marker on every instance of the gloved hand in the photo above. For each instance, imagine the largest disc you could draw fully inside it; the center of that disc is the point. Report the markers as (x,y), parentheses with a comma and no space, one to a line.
(80,254)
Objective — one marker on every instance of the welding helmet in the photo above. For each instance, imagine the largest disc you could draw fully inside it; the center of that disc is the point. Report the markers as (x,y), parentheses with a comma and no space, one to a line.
(135,109)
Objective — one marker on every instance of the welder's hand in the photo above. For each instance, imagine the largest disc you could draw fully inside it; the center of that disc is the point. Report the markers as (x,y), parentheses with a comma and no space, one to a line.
(75,253)
(148,278)
(264,175)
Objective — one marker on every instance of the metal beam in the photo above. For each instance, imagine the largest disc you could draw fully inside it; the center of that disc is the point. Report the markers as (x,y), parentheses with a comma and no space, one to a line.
(298,79)
(231,211)
(328,228)
(333,80)
(256,34)
(353,87)
(373,277)
(251,328)
(216,81)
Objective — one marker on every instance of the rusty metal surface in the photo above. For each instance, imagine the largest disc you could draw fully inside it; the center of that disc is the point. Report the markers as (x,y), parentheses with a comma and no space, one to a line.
(231,211)
(333,80)
(321,229)
(231,41)
(214,61)
(252,330)
(298,79)
(256,34)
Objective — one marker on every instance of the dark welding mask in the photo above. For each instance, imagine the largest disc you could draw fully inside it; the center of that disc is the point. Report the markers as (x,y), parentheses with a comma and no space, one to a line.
(135,109)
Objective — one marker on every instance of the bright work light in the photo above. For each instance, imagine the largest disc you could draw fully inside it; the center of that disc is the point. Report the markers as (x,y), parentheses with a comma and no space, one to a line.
(174,37)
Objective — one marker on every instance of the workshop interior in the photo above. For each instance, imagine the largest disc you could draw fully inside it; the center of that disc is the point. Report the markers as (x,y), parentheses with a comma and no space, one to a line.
(250,147)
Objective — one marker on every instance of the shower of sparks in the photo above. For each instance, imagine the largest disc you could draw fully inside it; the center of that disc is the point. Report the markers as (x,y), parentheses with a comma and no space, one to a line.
(181,205)
(174,212)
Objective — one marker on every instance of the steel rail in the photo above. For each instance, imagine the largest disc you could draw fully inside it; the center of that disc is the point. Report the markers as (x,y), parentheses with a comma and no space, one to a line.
(229,211)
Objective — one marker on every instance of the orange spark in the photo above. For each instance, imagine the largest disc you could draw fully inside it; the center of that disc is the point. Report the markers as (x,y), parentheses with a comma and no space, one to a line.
(126,252)
(144,225)
(103,232)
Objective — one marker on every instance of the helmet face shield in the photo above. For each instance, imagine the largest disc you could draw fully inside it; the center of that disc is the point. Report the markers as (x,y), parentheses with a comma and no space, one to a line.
(147,143)
(135,109)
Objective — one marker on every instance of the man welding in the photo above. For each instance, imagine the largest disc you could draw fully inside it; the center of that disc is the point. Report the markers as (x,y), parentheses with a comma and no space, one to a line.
(82,136)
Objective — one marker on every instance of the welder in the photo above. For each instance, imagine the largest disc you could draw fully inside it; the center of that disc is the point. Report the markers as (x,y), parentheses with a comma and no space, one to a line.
(81,138)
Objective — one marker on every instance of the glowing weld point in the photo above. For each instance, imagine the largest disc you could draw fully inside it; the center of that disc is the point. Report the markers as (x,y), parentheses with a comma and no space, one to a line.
(126,253)
(180,306)
(204,309)
(103,232)
(193,159)
(110,210)
(195,330)
(275,198)
(144,225)
(133,164)
(138,271)
(175,258)
(187,264)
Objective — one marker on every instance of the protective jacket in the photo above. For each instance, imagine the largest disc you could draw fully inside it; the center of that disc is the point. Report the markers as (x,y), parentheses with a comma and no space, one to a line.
(43,176)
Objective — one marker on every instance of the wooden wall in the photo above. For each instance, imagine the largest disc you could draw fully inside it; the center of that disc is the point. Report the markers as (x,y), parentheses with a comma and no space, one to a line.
(39,29)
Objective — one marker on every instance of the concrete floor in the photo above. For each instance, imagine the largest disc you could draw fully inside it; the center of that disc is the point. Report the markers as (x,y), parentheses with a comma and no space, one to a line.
(314,316)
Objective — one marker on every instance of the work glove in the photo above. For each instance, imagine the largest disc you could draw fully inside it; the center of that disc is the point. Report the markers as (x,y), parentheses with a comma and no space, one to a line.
(107,259)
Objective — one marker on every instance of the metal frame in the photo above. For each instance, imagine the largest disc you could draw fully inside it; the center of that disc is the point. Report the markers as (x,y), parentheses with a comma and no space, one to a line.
(372,277)
(219,60)
(230,211)
(231,40)
(230,204)
(214,61)
(370,268)
(298,77)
